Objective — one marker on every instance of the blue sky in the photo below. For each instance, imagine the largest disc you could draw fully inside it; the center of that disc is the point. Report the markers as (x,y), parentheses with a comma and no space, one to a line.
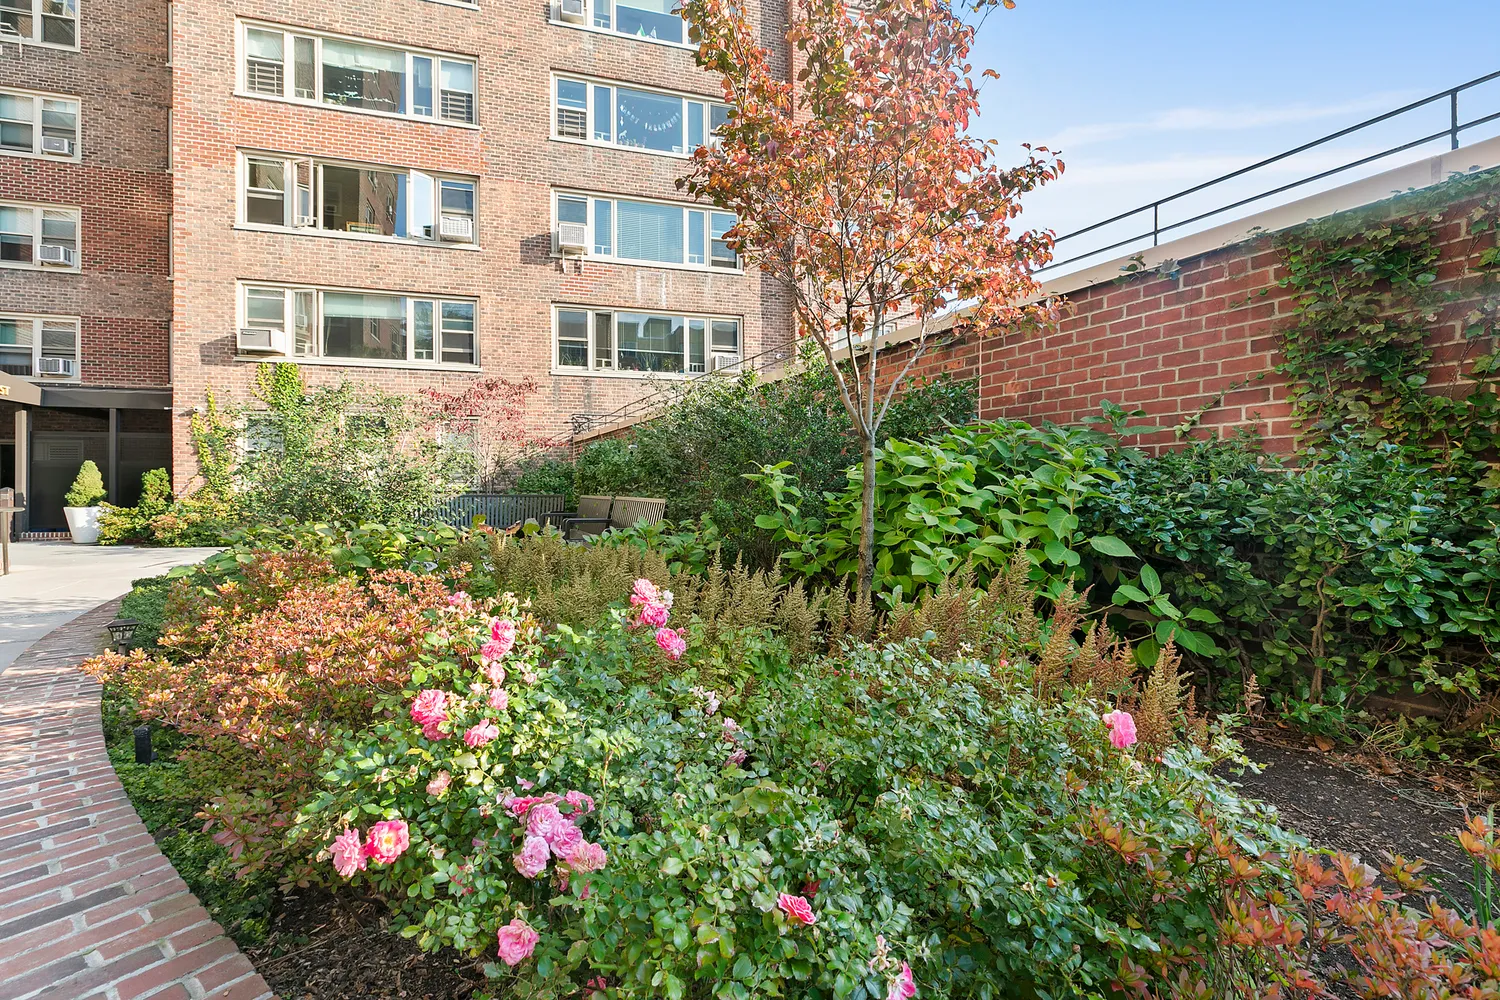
(1145,99)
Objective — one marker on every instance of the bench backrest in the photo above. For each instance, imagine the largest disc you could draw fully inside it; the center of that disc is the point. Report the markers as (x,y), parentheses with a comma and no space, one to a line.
(630,511)
(595,506)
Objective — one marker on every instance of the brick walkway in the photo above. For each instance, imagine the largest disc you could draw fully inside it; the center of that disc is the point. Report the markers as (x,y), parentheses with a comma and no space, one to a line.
(88,906)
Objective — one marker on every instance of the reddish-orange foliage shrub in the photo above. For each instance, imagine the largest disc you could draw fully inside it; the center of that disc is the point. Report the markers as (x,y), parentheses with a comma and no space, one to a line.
(262,671)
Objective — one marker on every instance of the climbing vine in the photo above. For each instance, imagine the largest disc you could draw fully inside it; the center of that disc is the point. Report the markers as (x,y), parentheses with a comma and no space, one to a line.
(1373,300)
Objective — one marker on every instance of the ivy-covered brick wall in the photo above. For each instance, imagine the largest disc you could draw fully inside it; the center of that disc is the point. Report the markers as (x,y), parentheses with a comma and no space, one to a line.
(1387,308)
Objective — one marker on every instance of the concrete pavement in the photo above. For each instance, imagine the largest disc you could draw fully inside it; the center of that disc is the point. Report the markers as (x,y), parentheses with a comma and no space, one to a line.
(51,583)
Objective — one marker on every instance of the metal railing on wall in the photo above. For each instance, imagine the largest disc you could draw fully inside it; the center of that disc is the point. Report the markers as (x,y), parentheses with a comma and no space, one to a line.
(668,393)
(1454,129)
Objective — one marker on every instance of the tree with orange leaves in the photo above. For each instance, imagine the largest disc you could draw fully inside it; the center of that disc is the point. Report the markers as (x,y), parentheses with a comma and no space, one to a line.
(858,188)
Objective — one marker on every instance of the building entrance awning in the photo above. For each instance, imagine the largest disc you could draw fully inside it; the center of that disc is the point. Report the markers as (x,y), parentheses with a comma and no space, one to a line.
(19,390)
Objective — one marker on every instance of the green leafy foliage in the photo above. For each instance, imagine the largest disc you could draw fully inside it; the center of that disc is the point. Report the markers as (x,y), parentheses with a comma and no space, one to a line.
(696,453)
(137,524)
(88,488)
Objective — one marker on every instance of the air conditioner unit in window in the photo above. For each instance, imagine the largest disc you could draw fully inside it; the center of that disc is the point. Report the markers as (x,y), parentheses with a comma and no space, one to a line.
(456,227)
(722,362)
(261,340)
(57,367)
(57,145)
(570,11)
(57,256)
(572,238)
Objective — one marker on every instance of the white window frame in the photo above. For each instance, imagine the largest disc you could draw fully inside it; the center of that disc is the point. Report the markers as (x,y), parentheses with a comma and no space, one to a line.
(38,214)
(288,327)
(293,195)
(591,9)
(317,38)
(37,9)
(38,100)
(689,209)
(611,368)
(37,321)
(592,85)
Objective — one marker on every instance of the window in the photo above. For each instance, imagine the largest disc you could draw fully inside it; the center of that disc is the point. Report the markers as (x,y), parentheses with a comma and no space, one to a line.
(364,326)
(359,76)
(657,20)
(355,199)
(651,232)
(639,119)
(39,346)
(626,341)
(38,124)
(44,22)
(38,236)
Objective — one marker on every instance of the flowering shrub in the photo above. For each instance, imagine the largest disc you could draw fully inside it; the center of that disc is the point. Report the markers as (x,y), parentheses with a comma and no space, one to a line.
(263,670)
(639,818)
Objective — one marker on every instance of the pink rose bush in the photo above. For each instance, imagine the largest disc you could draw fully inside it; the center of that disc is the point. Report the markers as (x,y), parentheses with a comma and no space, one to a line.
(349,854)
(479,735)
(388,840)
(671,642)
(430,710)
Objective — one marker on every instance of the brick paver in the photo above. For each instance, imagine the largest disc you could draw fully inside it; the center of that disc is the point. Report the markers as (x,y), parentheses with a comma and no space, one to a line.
(88,906)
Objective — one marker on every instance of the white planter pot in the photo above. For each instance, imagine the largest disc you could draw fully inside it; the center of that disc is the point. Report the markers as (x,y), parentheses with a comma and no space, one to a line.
(83,523)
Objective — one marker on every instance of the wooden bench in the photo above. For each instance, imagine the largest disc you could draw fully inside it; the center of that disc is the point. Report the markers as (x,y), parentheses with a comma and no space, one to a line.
(595,515)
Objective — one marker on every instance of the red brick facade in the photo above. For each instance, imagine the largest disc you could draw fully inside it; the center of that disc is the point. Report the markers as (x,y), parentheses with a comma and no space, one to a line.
(513,275)
(120,183)
(1199,346)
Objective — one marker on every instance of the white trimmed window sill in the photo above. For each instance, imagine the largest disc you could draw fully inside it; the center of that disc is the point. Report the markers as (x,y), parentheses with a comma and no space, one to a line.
(250,227)
(419,366)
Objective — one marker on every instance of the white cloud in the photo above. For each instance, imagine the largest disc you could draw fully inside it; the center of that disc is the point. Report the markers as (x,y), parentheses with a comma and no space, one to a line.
(1219,120)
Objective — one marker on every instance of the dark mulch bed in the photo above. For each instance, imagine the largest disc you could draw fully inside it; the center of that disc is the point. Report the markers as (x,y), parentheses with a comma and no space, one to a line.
(326,947)
(1343,805)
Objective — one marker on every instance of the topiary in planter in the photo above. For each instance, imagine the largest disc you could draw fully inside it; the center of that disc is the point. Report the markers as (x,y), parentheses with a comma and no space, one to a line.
(88,489)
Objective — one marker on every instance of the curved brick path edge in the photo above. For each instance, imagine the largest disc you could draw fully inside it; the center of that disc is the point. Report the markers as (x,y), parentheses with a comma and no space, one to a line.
(89,907)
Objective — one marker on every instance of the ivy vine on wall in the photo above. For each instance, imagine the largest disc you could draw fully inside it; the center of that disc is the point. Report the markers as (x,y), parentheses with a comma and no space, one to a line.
(1371,292)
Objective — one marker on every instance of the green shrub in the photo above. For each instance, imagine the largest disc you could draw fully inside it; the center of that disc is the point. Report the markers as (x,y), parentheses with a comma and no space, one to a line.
(953,814)
(607,468)
(549,475)
(134,524)
(88,489)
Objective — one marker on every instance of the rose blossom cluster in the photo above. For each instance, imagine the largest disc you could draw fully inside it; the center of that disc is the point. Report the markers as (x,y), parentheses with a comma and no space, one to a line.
(430,710)
(653,607)
(552,834)
(386,842)
(903,986)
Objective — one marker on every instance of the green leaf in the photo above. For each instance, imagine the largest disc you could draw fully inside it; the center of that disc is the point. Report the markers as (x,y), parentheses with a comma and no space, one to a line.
(1204,615)
(1109,545)
(1129,592)
(1150,580)
(671,866)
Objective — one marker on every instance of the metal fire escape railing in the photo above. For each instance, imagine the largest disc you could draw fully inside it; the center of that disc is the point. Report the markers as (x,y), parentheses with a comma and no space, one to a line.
(669,392)
(1453,131)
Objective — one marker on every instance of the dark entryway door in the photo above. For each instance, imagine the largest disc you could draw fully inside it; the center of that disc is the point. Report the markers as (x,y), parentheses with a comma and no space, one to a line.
(7,465)
(55,459)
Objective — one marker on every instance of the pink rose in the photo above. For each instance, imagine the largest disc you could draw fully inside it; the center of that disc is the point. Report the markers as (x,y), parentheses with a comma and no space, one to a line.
(732,729)
(430,708)
(433,731)
(644,592)
(348,853)
(797,909)
(1121,729)
(671,643)
(531,860)
(736,759)
(387,841)
(494,673)
(439,783)
(903,987)
(502,636)
(478,736)
(654,614)
(586,857)
(580,802)
(520,805)
(517,941)
(499,700)
(565,839)
(458,599)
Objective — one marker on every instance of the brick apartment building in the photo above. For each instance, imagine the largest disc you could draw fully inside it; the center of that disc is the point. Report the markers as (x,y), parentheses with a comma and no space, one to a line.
(85,210)
(417,193)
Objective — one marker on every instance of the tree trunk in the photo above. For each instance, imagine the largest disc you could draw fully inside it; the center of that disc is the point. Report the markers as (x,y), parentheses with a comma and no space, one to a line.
(866,580)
